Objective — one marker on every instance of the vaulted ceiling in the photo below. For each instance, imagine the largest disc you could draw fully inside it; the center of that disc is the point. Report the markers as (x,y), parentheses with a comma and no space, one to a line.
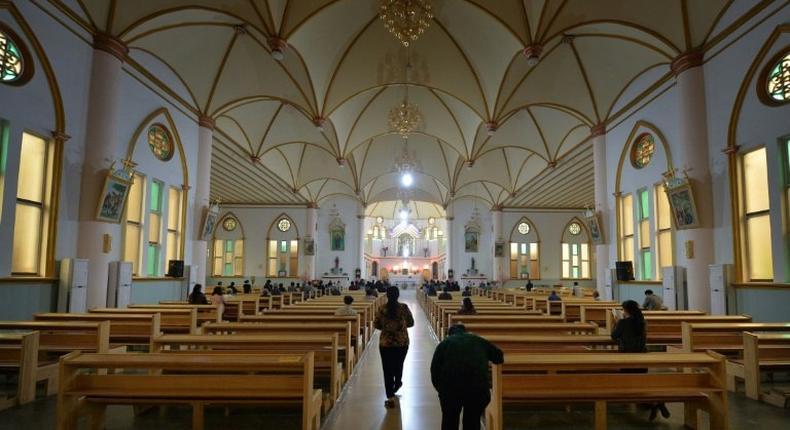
(468,69)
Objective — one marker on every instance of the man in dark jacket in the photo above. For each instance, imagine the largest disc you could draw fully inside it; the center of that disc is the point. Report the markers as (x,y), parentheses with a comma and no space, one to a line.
(459,372)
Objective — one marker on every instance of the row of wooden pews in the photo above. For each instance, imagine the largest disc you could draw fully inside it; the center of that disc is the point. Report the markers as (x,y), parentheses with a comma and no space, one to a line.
(561,352)
(177,353)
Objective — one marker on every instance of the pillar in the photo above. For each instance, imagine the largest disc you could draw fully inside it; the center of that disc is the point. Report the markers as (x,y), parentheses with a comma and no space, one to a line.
(448,237)
(361,242)
(100,242)
(694,247)
(496,221)
(601,206)
(310,234)
(202,190)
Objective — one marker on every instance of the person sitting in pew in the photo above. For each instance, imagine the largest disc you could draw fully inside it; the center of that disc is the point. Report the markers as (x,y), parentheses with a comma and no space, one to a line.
(467,292)
(197,297)
(232,290)
(371,294)
(459,373)
(247,287)
(652,302)
(431,290)
(630,333)
(445,295)
(346,310)
(596,296)
(554,297)
(467,308)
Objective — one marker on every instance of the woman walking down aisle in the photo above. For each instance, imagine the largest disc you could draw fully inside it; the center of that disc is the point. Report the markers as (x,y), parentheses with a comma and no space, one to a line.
(393,319)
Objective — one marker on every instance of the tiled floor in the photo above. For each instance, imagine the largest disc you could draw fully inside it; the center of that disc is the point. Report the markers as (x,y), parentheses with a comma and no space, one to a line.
(362,405)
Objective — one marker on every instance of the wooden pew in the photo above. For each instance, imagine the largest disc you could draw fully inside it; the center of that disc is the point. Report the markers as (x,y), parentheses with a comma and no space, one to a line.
(19,352)
(537,328)
(325,348)
(366,316)
(205,313)
(552,343)
(357,329)
(664,329)
(125,329)
(173,320)
(598,378)
(58,338)
(342,329)
(762,352)
(190,378)
(724,338)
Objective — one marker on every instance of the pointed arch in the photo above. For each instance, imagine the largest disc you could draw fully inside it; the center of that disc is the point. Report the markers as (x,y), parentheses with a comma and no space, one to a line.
(277,219)
(221,223)
(575,251)
(228,248)
(638,126)
(524,251)
(532,229)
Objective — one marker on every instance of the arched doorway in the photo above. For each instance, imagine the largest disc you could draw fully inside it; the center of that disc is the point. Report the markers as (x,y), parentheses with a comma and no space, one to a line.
(435,270)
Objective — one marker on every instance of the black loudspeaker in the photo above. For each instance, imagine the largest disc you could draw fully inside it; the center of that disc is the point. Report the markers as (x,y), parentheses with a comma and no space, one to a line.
(175,268)
(625,270)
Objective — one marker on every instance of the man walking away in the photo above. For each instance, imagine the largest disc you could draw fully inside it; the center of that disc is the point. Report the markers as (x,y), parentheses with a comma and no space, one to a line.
(459,372)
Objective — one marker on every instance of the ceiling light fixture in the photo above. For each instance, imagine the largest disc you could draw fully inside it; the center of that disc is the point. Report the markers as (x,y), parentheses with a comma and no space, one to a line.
(277,45)
(406,179)
(404,118)
(406,19)
(532,52)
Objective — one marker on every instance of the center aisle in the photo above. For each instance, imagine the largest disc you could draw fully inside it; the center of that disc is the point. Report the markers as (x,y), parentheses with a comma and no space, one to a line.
(362,404)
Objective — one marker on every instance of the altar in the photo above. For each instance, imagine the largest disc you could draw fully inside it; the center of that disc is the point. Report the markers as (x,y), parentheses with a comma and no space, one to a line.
(405,280)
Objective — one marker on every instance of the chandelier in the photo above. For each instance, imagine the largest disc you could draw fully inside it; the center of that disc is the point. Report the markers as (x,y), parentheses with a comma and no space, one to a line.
(404,118)
(406,162)
(406,19)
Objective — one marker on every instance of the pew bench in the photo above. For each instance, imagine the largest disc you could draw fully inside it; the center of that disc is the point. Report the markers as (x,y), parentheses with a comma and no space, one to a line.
(762,352)
(19,354)
(324,347)
(172,320)
(194,379)
(358,331)
(125,329)
(560,328)
(556,343)
(500,319)
(696,379)
(665,329)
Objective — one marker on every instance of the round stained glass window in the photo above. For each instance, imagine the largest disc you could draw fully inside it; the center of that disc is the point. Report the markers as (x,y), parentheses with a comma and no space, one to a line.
(642,150)
(284,225)
(229,224)
(778,80)
(575,228)
(14,69)
(431,221)
(160,142)
(379,220)
(523,228)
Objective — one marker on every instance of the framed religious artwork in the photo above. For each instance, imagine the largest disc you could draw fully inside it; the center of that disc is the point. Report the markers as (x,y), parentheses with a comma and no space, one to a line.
(309,247)
(471,240)
(499,249)
(593,222)
(682,206)
(113,195)
(209,224)
(337,240)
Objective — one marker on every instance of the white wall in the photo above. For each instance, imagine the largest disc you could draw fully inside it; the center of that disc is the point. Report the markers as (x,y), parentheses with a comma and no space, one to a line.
(347,209)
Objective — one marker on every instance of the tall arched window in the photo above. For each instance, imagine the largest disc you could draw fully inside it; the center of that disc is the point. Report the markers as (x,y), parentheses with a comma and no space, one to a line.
(282,250)
(228,249)
(755,216)
(575,251)
(524,251)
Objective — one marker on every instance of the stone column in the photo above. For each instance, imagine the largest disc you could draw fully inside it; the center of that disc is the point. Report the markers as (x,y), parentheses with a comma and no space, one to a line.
(496,221)
(310,234)
(694,247)
(100,242)
(202,189)
(601,206)
(448,237)
(361,241)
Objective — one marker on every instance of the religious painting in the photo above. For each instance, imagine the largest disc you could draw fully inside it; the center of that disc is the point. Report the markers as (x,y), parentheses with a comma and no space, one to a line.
(113,196)
(309,247)
(471,239)
(594,227)
(683,207)
(499,249)
(338,240)
(209,224)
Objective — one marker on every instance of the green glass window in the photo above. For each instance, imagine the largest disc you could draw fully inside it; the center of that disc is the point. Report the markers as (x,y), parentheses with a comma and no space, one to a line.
(283,246)
(779,80)
(11,60)
(152,261)
(3,157)
(156,196)
(644,204)
(647,265)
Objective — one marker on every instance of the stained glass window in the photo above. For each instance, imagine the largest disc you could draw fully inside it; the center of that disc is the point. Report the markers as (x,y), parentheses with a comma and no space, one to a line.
(12,63)
(284,225)
(160,142)
(229,224)
(779,80)
(642,150)
(574,228)
(523,228)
